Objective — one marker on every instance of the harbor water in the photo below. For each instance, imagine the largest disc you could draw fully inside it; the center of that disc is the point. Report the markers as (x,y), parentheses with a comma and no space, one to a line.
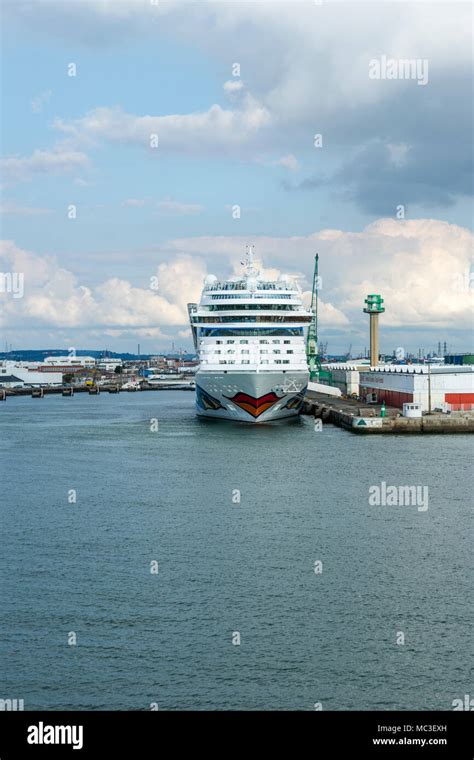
(138,540)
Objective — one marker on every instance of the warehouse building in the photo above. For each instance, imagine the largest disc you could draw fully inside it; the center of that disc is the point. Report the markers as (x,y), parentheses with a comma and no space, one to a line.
(12,374)
(63,364)
(449,388)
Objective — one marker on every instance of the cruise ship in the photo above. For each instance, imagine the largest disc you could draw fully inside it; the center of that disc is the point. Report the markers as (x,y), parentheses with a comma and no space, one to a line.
(249,333)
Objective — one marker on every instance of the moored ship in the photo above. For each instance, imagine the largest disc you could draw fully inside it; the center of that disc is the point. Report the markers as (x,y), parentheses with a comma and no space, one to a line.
(249,333)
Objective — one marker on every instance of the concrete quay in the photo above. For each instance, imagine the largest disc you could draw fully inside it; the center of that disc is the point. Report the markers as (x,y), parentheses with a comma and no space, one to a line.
(94,390)
(356,417)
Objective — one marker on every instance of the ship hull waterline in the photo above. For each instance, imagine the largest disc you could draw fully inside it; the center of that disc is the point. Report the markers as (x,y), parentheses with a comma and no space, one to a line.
(250,397)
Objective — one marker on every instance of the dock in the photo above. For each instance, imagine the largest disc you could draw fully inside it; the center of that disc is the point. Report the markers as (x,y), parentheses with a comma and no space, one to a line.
(92,390)
(363,419)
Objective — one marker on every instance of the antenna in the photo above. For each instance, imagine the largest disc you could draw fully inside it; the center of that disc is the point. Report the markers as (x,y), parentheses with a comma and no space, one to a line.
(249,262)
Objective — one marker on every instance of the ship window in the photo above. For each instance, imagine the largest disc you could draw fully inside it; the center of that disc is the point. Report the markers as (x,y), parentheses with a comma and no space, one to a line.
(275,341)
(219,331)
(218,342)
(276,351)
(264,361)
(286,361)
(264,341)
(231,341)
(244,341)
(245,361)
(278,361)
(289,351)
(244,351)
(263,351)
(287,341)
(222,361)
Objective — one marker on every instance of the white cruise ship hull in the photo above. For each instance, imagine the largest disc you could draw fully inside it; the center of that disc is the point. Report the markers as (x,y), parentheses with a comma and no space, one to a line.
(254,397)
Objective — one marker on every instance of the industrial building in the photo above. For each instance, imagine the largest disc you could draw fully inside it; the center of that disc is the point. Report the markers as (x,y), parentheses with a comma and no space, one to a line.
(446,388)
(13,374)
(449,388)
(109,364)
(64,364)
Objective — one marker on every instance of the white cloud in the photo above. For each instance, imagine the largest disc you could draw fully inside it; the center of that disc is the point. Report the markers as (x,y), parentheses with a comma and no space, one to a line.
(37,103)
(421,268)
(58,160)
(306,65)
(202,133)
(328,315)
(416,265)
(10,208)
(55,299)
(303,61)
(233,85)
(288,162)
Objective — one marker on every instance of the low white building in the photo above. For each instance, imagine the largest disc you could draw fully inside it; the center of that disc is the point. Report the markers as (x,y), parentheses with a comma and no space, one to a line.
(436,387)
(70,361)
(345,377)
(12,374)
(447,387)
(108,364)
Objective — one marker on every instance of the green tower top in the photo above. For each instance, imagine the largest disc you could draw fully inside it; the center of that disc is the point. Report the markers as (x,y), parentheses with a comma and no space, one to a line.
(374,304)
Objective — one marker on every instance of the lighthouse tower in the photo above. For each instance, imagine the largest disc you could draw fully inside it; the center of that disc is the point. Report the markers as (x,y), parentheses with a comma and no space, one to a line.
(374,308)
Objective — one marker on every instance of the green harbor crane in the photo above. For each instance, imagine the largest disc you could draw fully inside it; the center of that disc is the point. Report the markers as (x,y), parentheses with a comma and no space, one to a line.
(312,353)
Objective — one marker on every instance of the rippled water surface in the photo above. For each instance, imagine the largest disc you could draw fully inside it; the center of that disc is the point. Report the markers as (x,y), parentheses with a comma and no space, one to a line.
(226,567)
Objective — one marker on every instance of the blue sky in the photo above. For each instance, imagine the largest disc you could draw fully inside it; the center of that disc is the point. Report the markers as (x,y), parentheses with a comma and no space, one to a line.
(226,140)
(159,77)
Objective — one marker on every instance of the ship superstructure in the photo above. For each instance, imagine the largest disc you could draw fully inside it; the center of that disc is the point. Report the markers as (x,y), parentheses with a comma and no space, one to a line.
(250,335)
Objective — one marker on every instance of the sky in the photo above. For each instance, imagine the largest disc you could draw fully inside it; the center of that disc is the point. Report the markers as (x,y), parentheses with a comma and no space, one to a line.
(145,142)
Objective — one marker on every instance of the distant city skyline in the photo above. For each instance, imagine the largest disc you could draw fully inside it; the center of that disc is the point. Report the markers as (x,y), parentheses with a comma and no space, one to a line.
(145,144)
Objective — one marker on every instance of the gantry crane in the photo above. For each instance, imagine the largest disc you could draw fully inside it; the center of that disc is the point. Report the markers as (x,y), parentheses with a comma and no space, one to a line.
(312,353)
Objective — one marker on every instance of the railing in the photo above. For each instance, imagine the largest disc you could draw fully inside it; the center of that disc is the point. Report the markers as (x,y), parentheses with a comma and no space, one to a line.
(242,285)
(257,319)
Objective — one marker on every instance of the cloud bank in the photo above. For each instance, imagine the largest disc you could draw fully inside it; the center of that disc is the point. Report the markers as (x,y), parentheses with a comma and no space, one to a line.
(421,268)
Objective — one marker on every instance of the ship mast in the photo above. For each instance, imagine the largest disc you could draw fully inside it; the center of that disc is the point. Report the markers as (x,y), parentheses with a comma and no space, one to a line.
(250,269)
